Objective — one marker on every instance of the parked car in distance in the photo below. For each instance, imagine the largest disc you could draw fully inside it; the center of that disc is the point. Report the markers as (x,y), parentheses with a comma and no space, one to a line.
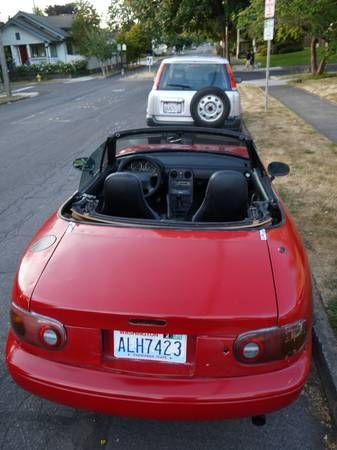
(173,284)
(196,90)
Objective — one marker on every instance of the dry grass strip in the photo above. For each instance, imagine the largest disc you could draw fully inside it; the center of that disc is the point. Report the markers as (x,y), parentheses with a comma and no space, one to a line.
(310,191)
(325,88)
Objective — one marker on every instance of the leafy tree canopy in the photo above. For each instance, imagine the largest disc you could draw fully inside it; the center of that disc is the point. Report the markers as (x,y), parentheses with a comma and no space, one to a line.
(316,19)
(57,10)
(164,18)
(98,43)
(86,21)
(120,16)
(37,11)
(137,40)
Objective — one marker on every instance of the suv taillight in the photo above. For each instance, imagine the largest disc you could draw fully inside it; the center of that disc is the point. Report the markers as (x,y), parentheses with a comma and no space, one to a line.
(158,75)
(232,81)
(36,329)
(270,344)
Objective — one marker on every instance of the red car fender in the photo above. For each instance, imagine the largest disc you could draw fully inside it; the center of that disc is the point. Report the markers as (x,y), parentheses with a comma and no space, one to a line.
(291,272)
(35,259)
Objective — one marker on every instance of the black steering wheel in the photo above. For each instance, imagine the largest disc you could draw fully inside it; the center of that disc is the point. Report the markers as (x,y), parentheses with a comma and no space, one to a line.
(148,171)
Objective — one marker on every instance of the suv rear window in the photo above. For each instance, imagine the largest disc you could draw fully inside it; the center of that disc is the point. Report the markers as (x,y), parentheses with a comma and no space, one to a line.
(193,76)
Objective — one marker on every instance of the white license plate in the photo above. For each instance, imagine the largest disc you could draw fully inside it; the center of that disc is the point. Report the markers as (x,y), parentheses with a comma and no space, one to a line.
(150,346)
(172,107)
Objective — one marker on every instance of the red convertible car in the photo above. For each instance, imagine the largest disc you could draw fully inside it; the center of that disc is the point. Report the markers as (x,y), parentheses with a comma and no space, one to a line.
(173,284)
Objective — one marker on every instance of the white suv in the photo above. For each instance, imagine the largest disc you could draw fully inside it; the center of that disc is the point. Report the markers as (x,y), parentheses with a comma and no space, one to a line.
(194,89)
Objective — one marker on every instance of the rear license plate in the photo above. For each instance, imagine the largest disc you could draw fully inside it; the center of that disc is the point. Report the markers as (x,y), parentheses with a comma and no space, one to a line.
(172,107)
(150,346)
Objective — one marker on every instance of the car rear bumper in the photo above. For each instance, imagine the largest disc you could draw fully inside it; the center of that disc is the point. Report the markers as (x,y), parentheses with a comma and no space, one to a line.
(232,123)
(154,397)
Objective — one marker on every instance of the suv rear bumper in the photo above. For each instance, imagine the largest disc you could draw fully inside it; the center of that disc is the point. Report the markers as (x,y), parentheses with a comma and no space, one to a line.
(155,397)
(231,124)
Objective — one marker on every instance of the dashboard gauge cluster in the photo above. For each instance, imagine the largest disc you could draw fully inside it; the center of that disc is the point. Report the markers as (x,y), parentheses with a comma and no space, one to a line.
(141,165)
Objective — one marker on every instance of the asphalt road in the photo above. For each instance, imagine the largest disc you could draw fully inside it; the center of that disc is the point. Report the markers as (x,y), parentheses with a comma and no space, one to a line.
(39,138)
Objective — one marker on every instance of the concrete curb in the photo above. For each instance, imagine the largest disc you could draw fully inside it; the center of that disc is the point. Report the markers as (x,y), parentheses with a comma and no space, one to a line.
(325,353)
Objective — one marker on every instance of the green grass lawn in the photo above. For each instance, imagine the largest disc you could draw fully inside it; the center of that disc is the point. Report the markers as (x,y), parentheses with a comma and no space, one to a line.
(290,59)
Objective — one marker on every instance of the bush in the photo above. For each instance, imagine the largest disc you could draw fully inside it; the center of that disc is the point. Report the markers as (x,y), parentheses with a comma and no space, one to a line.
(288,47)
(80,66)
(77,67)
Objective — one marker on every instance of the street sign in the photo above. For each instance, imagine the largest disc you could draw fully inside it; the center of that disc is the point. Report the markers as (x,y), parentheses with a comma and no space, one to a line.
(268,32)
(149,60)
(269,9)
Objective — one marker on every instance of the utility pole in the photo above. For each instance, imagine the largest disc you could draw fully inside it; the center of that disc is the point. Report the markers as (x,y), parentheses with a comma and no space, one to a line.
(226,46)
(4,69)
(226,42)
(268,35)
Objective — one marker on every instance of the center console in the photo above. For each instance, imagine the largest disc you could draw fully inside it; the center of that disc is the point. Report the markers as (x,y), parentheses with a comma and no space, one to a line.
(180,193)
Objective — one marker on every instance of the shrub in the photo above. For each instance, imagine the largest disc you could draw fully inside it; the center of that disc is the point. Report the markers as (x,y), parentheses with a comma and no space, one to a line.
(77,67)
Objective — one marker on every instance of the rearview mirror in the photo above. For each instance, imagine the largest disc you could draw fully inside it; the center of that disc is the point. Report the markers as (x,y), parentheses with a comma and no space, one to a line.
(278,169)
(83,164)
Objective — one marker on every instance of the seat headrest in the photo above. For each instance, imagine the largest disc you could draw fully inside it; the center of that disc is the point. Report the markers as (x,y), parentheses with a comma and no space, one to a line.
(226,198)
(123,197)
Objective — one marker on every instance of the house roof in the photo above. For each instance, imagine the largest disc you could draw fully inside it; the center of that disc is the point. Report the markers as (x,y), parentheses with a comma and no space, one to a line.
(46,28)
(63,22)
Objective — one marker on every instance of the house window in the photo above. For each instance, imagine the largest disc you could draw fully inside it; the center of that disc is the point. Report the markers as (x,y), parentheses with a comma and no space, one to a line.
(17,36)
(70,50)
(37,50)
(53,51)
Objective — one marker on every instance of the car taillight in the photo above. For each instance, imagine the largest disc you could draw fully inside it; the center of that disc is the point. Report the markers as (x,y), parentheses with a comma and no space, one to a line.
(270,344)
(158,76)
(232,81)
(37,329)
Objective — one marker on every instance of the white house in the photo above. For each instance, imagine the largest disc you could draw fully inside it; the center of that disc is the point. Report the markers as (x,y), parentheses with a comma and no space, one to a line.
(31,39)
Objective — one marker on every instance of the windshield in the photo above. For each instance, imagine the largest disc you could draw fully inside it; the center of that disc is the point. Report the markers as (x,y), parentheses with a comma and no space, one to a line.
(193,76)
(180,141)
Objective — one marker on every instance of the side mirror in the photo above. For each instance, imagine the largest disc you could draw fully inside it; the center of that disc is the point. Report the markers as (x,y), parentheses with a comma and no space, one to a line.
(238,80)
(83,164)
(278,169)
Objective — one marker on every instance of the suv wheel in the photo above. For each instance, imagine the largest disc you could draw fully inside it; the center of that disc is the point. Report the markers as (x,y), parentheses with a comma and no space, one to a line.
(210,107)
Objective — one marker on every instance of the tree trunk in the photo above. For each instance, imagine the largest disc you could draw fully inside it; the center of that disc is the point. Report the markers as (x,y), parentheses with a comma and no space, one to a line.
(237,53)
(313,54)
(321,66)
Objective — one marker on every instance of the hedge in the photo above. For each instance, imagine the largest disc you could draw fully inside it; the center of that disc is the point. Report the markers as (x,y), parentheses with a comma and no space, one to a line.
(76,67)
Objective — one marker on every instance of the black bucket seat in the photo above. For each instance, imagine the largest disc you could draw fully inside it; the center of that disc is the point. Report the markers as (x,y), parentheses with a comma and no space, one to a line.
(226,198)
(123,197)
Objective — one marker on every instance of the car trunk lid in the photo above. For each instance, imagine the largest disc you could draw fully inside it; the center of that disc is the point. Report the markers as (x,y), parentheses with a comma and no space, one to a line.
(192,279)
(207,285)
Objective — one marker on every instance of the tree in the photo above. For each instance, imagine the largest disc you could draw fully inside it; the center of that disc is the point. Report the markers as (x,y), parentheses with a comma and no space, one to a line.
(98,43)
(169,17)
(120,16)
(316,19)
(57,10)
(37,11)
(86,21)
(137,40)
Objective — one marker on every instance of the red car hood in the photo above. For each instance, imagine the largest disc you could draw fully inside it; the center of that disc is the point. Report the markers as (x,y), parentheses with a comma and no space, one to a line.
(98,272)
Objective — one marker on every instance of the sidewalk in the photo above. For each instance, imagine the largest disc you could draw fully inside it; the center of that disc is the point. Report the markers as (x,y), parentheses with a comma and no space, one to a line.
(320,114)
